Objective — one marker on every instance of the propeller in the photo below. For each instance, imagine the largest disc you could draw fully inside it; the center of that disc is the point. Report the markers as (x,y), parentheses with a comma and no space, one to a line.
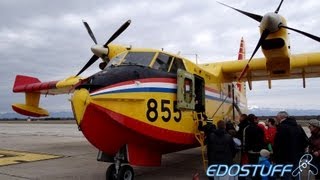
(89,31)
(117,33)
(94,58)
(263,36)
(316,38)
(278,8)
(253,16)
(269,23)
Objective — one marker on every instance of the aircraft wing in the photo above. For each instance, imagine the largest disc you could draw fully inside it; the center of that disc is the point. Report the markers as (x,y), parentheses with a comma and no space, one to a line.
(301,66)
(29,84)
(33,88)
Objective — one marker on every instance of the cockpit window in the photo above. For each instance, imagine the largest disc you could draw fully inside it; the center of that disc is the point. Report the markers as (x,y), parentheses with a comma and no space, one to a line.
(177,64)
(162,62)
(138,58)
(116,60)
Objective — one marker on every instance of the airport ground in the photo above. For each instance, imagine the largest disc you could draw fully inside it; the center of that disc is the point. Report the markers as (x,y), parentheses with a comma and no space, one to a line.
(57,150)
(51,150)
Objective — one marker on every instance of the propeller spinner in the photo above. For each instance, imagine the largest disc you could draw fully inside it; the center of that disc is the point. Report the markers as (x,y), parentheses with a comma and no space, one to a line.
(269,23)
(99,50)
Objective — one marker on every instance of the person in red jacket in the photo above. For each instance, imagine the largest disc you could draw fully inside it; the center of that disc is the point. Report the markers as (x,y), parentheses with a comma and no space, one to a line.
(270,132)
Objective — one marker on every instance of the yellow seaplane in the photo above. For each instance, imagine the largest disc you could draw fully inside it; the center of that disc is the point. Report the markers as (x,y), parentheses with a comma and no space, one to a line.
(145,102)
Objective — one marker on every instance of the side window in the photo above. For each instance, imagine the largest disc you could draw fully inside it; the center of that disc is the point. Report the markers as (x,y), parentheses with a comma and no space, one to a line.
(162,62)
(177,64)
(188,91)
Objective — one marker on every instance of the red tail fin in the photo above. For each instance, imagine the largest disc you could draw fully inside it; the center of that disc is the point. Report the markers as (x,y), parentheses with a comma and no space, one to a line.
(24,80)
(241,56)
(242,50)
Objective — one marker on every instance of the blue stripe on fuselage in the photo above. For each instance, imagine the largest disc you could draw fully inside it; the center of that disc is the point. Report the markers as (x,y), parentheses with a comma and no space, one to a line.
(157,89)
(146,89)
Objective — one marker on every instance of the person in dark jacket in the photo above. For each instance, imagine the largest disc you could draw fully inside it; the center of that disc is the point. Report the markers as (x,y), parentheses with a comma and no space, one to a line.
(221,147)
(207,128)
(314,146)
(243,124)
(290,142)
(253,141)
(254,138)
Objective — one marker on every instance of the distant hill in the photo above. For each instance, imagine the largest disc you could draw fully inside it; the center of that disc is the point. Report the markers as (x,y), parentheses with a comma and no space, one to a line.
(12,115)
(292,112)
(256,111)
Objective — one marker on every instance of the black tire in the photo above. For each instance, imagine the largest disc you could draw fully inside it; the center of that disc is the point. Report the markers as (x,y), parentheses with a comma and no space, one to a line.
(126,173)
(111,172)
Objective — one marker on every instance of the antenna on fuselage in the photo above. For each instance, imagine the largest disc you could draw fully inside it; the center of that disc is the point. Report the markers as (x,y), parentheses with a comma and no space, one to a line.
(193,54)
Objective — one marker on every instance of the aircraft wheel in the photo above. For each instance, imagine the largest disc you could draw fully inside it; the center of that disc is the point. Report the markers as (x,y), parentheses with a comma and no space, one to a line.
(126,173)
(111,172)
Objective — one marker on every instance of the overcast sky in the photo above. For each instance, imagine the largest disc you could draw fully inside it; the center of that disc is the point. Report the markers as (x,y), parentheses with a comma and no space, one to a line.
(47,39)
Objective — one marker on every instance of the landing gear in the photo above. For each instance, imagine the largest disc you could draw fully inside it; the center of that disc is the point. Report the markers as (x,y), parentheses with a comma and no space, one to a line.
(117,172)
(124,173)
(111,172)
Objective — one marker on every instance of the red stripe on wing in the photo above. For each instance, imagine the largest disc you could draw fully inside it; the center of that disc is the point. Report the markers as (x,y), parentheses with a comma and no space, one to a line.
(31,84)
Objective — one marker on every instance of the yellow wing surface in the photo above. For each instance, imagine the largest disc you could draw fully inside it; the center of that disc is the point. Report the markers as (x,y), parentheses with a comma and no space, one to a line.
(301,66)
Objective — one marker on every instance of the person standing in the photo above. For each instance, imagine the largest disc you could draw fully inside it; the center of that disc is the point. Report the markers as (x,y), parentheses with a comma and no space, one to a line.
(254,140)
(314,146)
(221,148)
(290,142)
(242,125)
(270,133)
(240,135)
(264,160)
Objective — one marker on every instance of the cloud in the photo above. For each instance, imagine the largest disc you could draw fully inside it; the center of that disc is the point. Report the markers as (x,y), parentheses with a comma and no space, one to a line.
(47,39)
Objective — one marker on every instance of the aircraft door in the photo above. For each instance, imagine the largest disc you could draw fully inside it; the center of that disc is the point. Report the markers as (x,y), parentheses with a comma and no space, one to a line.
(185,90)
(200,94)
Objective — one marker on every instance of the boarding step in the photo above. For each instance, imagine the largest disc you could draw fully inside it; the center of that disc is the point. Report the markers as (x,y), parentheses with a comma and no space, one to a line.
(200,136)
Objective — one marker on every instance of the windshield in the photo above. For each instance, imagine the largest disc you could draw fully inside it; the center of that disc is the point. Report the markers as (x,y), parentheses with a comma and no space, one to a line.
(138,58)
(116,60)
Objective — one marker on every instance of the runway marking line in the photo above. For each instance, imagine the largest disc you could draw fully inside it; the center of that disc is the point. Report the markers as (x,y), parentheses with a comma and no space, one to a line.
(10,157)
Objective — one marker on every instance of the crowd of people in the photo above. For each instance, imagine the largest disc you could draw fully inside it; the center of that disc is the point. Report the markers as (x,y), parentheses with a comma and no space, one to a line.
(277,141)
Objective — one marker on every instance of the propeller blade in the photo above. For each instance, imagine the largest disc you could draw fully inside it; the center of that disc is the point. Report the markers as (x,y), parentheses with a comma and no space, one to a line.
(263,36)
(245,69)
(89,31)
(117,33)
(277,10)
(93,59)
(302,32)
(251,15)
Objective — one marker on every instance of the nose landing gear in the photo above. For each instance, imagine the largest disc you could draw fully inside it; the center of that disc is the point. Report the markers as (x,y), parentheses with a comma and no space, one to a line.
(125,173)
(117,172)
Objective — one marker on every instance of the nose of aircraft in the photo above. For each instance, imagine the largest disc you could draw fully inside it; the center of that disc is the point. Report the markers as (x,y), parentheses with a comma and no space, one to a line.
(80,100)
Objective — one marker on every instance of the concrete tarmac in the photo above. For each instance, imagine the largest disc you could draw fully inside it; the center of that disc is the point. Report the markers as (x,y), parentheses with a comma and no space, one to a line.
(59,151)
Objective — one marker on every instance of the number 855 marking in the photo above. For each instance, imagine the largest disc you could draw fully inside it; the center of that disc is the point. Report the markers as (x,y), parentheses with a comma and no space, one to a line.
(165,110)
